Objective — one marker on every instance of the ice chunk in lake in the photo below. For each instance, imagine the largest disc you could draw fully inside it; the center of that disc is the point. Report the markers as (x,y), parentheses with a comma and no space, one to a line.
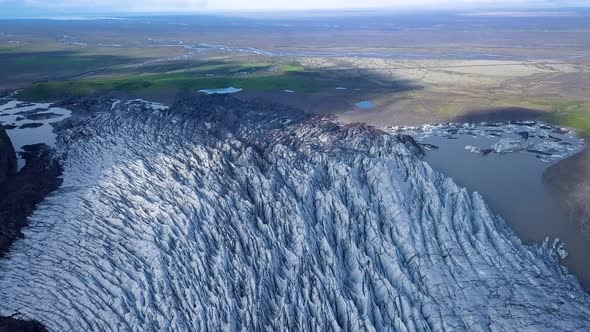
(548,142)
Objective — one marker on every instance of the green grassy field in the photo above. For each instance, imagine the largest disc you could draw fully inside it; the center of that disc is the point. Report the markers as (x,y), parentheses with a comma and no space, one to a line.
(24,64)
(579,120)
(145,72)
(55,68)
(252,77)
(561,112)
(572,114)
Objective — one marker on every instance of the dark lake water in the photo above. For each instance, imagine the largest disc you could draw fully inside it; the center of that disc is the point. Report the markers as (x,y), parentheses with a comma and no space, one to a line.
(512,185)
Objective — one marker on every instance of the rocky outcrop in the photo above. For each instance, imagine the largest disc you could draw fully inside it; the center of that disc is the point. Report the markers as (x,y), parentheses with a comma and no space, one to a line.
(7,157)
(5,93)
(20,193)
(222,215)
(10,324)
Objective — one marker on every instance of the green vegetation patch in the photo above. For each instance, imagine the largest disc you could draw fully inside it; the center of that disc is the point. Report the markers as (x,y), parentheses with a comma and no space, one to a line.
(292,66)
(257,65)
(29,60)
(288,68)
(50,91)
(562,106)
(7,48)
(572,114)
(40,61)
(579,120)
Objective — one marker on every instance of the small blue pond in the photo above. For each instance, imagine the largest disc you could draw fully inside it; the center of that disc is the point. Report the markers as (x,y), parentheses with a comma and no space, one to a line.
(365,104)
(221,91)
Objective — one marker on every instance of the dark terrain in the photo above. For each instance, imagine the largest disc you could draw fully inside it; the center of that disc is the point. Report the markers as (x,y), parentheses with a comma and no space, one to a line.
(570,182)
(9,324)
(7,157)
(19,194)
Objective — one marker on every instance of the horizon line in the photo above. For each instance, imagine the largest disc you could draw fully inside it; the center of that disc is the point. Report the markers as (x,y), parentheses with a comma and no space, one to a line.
(84,15)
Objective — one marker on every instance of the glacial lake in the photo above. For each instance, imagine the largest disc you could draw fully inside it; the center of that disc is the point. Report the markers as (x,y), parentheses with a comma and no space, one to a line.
(512,184)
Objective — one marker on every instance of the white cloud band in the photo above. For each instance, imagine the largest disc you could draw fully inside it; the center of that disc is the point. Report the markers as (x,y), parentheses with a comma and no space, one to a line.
(120,5)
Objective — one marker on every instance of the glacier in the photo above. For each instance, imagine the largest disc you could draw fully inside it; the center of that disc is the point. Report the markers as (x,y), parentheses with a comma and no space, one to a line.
(217,214)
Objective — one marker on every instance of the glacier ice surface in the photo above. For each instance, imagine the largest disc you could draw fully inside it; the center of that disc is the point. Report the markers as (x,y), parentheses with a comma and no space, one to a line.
(220,215)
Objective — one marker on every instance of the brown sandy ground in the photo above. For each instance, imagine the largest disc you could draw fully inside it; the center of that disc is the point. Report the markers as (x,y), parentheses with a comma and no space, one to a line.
(454,90)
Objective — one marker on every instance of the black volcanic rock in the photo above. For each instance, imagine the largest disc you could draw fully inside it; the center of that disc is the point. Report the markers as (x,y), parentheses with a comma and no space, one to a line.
(9,324)
(21,105)
(31,112)
(7,157)
(19,194)
(5,93)
(31,125)
(42,116)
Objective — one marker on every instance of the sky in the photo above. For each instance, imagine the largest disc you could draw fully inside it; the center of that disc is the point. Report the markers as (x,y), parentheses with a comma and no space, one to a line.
(35,8)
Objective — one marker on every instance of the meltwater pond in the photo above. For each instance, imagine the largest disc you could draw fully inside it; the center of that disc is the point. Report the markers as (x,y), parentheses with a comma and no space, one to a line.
(30,123)
(365,104)
(505,164)
(221,91)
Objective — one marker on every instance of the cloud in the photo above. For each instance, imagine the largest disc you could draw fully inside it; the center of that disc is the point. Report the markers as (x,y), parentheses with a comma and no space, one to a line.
(430,4)
(119,5)
(187,6)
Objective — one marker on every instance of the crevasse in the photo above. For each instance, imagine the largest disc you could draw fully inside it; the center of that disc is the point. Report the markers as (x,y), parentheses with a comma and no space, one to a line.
(221,215)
